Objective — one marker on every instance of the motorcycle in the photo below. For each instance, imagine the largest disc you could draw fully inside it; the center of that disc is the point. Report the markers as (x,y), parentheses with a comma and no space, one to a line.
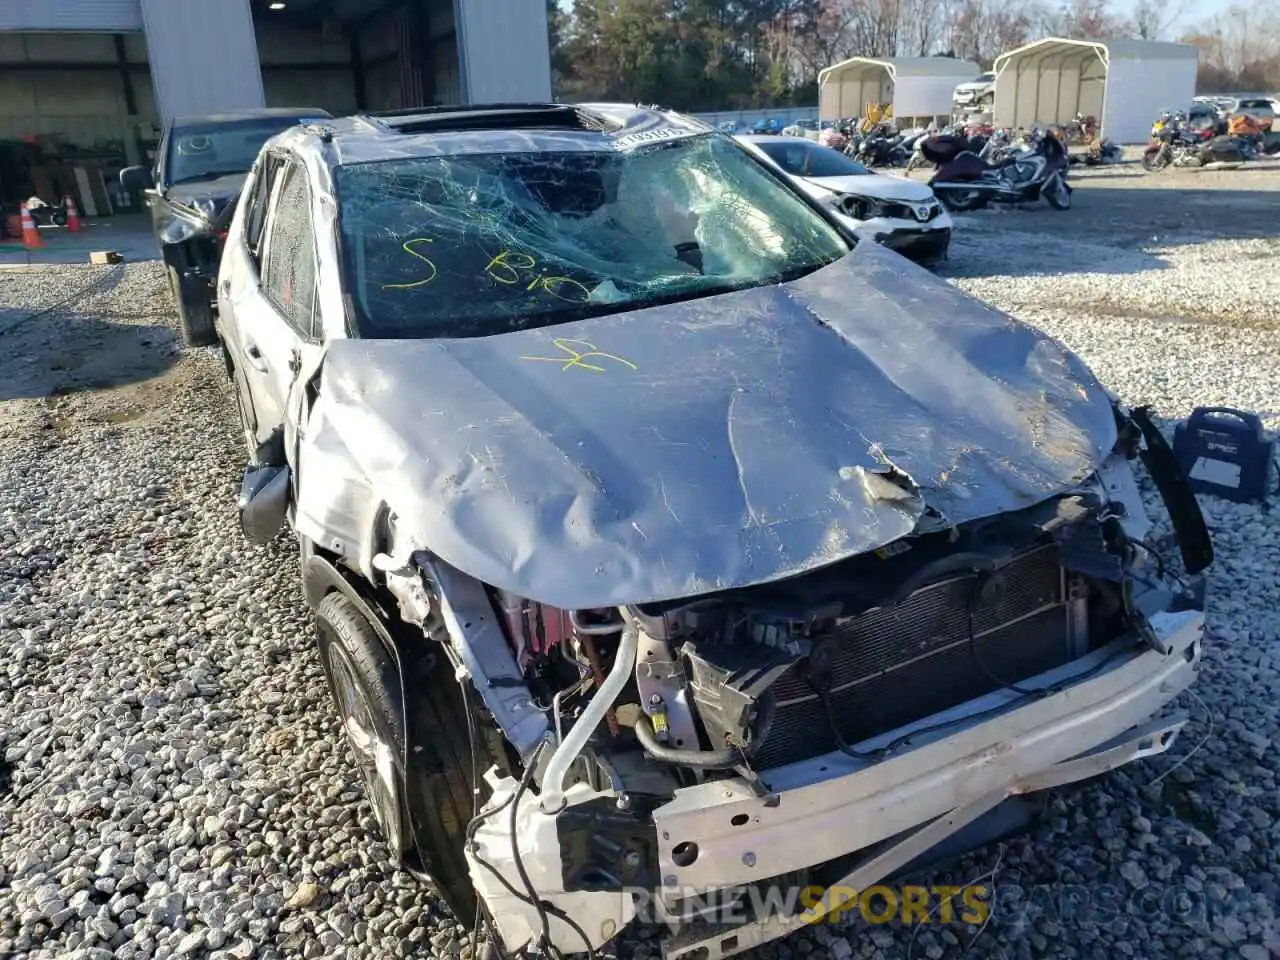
(1226,151)
(1001,146)
(1103,152)
(1176,145)
(881,147)
(833,138)
(1252,136)
(44,214)
(1081,129)
(965,181)
(917,157)
(949,142)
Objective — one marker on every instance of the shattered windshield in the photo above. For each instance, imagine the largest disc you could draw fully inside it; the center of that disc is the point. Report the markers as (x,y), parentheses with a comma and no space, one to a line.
(202,151)
(474,245)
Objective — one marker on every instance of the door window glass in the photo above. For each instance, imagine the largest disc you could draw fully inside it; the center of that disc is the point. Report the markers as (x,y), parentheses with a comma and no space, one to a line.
(289,274)
(259,199)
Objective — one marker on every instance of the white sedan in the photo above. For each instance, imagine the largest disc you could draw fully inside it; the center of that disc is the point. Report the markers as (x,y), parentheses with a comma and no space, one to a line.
(902,214)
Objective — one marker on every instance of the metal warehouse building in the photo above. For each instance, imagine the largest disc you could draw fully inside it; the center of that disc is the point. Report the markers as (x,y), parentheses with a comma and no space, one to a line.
(1124,83)
(920,88)
(94,78)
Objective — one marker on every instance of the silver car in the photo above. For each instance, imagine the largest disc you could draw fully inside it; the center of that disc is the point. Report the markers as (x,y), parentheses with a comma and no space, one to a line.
(673,554)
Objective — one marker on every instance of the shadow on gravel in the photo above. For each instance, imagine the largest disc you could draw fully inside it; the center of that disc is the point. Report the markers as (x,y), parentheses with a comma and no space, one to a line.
(55,355)
(1004,245)
(1176,208)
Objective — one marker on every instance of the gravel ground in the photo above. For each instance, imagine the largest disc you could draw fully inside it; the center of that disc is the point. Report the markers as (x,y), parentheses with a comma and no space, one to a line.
(171,780)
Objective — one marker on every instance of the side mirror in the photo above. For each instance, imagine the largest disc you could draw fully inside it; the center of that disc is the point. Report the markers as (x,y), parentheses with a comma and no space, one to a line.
(136,179)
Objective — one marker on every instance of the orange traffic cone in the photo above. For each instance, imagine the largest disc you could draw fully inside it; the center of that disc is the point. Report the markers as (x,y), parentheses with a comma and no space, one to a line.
(73,215)
(30,235)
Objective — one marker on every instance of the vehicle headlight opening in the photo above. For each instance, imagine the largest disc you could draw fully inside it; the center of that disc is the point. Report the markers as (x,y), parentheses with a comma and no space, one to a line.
(860,208)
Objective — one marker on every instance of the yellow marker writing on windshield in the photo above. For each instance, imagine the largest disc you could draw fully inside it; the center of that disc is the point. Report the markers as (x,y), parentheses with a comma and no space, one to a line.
(573,357)
(505,268)
(565,288)
(409,248)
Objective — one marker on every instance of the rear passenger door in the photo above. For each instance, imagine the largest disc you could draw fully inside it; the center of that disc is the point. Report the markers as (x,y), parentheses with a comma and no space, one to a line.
(289,327)
(272,293)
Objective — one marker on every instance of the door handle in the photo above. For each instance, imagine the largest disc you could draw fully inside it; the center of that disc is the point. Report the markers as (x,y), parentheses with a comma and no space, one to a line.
(255,358)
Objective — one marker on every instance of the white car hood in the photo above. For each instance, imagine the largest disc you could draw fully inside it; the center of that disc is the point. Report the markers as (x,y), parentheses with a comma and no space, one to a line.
(871,185)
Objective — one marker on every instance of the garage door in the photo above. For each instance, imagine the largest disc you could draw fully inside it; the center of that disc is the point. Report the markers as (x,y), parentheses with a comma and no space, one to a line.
(109,16)
(220,73)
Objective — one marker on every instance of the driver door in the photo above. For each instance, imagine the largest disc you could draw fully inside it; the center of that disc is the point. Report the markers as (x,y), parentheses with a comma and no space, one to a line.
(154,196)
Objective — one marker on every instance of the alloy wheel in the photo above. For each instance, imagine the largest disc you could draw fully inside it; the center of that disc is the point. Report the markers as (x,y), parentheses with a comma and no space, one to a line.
(375,758)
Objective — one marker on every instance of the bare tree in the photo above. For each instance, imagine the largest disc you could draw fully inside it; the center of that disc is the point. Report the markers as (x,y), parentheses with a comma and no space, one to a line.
(1150,18)
(707,54)
(923,25)
(1243,43)
(981,30)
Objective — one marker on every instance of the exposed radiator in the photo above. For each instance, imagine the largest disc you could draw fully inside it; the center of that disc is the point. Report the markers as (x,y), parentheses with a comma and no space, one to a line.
(891,666)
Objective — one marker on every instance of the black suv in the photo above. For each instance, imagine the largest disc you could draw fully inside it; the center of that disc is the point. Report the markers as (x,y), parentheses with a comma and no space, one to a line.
(200,167)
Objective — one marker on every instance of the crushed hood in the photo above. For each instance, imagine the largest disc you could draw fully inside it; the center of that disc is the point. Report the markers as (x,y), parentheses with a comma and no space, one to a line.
(197,208)
(704,445)
(221,190)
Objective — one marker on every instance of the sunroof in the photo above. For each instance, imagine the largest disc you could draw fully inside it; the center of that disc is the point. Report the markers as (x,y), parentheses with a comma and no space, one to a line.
(515,116)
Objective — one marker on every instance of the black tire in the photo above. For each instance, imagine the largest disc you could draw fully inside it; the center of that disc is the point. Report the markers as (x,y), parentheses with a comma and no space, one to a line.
(59,218)
(195,311)
(442,782)
(962,201)
(435,793)
(1151,161)
(364,681)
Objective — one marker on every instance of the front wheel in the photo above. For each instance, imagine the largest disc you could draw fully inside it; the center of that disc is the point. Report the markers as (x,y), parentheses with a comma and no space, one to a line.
(422,809)
(195,309)
(1057,193)
(1153,160)
(365,683)
(962,201)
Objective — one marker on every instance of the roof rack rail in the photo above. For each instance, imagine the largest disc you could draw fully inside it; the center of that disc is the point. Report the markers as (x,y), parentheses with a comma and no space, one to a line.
(494,116)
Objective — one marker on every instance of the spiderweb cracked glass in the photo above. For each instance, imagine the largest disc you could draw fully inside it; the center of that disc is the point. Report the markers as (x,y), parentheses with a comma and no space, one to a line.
(290,267)
(469,245)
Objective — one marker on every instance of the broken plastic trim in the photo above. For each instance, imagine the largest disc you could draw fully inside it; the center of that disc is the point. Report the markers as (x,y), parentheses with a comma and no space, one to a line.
(1175,490)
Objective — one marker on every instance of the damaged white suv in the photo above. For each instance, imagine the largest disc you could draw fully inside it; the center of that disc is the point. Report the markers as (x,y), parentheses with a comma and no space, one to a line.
(665,541)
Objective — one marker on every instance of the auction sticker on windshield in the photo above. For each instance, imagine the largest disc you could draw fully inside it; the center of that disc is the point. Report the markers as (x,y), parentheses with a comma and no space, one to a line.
(642,137)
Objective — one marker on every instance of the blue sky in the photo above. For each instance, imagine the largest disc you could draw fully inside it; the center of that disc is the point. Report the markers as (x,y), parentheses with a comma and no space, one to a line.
(1196,12)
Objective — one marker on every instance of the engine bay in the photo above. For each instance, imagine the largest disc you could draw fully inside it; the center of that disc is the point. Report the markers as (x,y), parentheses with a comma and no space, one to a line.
(753,679)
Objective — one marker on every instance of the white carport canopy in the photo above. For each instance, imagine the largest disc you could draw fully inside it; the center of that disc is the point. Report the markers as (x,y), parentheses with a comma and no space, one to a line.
(918,87)
(1124,83)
